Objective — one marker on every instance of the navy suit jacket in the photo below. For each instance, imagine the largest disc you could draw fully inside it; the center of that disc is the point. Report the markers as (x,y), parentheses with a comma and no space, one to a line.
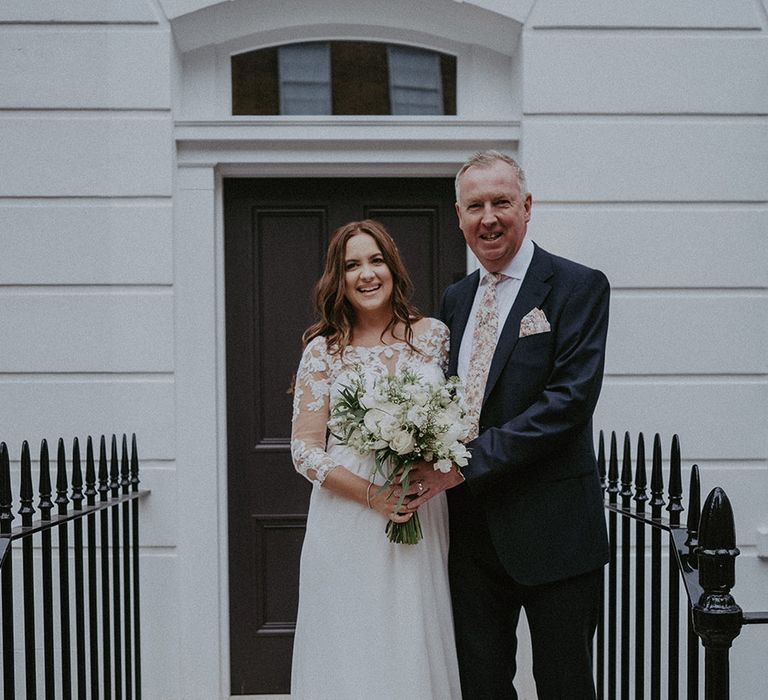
(533,470)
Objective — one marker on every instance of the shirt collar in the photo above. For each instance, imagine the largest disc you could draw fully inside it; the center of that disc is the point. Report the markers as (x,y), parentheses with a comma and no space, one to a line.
(518,266)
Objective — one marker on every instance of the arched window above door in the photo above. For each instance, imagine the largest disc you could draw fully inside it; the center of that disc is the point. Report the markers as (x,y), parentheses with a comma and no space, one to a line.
(343,78)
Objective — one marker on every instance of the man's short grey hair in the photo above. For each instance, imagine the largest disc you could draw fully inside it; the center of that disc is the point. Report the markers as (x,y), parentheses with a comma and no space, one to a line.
(485,159)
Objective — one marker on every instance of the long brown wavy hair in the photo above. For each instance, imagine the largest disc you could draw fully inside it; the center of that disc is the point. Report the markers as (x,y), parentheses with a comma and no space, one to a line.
(336,314)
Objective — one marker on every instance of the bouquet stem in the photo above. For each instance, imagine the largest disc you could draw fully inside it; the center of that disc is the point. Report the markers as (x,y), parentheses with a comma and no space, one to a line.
(408,532)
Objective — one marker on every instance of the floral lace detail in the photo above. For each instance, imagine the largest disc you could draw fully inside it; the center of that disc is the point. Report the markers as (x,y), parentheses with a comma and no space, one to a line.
(318,374)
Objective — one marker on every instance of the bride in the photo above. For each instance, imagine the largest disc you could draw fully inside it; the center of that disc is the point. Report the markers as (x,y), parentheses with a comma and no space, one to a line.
(374,617)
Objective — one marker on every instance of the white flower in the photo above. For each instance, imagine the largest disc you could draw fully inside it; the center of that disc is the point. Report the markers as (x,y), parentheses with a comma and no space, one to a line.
(443,465)
(417,415)
(461,455)
(402,442)
(381,421)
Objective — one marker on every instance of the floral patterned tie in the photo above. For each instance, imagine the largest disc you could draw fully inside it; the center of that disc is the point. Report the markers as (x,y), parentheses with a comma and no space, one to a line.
(483,346)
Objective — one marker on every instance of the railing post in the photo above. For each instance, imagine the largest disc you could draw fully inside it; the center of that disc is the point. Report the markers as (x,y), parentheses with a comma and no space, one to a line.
(641,497)
(6,574)
(77,504)
(93,622)
(136,587)
(125,483)
(613,490)
(104,542)
(656,503)
(114,486)
(26,511)
(691,542)
(626,612)
(62,500)
(675,508)
(600,637)
(46,506)
(717,618)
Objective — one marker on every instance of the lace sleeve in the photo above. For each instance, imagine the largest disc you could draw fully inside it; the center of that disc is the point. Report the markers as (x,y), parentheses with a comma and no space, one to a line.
(311,400)
(434,343)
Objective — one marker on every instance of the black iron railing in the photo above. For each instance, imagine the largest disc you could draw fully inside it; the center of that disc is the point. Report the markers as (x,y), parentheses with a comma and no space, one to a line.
(105,600)
(633,645)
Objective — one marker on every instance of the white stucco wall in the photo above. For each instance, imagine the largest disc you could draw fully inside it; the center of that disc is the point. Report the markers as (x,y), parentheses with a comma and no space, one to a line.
(86,271)
(645,137)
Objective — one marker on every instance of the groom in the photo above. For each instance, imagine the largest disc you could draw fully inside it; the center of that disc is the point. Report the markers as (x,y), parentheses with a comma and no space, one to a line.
(526,519)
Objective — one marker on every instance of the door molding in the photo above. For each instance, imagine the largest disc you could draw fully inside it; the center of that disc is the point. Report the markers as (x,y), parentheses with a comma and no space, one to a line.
(206,153)
(211,144)
(322,146)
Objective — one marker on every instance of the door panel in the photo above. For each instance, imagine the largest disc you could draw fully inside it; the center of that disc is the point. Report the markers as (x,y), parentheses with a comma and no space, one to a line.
(276,234)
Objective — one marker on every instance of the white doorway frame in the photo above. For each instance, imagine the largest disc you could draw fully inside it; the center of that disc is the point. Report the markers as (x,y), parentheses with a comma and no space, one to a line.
(207,152)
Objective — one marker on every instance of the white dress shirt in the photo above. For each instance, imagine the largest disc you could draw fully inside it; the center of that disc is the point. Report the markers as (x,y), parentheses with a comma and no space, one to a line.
(506,293)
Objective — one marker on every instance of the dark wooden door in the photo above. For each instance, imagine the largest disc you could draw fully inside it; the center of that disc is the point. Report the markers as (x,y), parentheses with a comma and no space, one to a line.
(276,233)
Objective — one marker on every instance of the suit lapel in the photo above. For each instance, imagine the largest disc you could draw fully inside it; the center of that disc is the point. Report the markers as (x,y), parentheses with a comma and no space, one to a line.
(533,290)
(460,317)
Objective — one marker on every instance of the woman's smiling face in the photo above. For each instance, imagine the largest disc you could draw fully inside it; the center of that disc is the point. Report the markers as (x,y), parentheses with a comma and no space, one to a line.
(367,278)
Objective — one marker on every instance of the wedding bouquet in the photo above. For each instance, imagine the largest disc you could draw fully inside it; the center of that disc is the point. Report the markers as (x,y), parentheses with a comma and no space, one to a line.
(401,419)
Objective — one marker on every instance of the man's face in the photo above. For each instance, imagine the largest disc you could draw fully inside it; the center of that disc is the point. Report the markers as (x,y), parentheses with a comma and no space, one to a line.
(493,214)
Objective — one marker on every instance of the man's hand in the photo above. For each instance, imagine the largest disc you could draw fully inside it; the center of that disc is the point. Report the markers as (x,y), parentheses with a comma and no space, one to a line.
(426,482)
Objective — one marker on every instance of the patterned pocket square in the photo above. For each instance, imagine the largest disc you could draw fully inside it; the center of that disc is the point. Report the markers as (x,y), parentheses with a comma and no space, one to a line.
(534,322)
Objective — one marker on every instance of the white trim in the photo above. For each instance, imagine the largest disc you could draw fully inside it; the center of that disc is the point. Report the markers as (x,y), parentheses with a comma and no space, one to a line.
(213,160)
(515,9)
(221,438)
(325,147)
(243,20)
(212,145)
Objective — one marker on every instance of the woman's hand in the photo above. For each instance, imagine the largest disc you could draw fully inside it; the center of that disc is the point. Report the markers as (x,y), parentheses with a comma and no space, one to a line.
(384,500)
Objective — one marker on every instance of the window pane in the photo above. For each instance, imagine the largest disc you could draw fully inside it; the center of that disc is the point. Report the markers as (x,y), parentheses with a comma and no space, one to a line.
(415,84)
(343,77)
(305,78)
(254,83)
(360,79)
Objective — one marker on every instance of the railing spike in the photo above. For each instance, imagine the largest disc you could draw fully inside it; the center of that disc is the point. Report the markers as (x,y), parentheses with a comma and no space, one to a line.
(613,466)
(26,493)
(626,469)
(125,471)
(134,464)
(103,470)
(675,506)
(694,510)
(600,458)
(641,481)
(61,478)
(90,473)
(77,476)
(114,471)
(44,484)
(657,480)
(6,497)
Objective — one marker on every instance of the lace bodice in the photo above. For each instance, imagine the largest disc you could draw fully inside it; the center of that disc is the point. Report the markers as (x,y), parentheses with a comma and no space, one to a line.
(320,373)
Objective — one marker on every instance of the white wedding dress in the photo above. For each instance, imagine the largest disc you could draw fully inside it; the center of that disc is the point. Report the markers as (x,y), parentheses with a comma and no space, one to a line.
(374,618)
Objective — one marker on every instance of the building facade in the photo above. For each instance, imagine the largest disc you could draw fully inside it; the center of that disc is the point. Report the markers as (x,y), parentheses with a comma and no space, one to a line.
(643,128)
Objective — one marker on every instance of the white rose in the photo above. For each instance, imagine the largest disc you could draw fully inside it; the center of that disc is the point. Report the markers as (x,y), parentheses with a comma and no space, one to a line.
(461,455)
(372,419)
(443,465)
(402,442)
(417,415)
(368,399)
